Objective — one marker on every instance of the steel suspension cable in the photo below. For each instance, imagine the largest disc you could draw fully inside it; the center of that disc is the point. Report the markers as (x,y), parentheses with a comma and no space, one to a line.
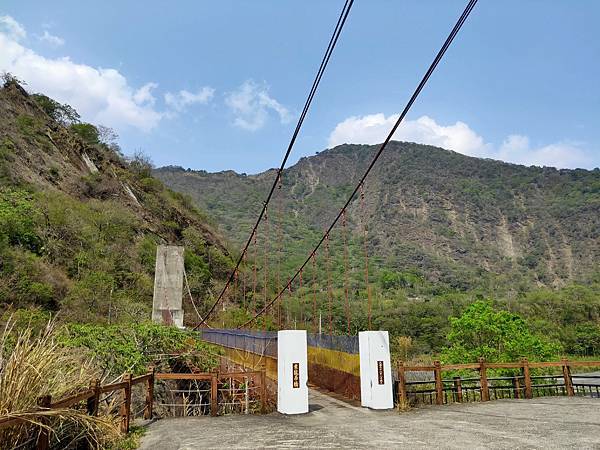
(324,62)
(467,11)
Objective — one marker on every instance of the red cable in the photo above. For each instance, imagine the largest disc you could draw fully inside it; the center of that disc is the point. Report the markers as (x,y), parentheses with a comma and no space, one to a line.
(314,265)
(254,278)
(347,302)
(329,292)
(300,302)
(364,220)
(266,218)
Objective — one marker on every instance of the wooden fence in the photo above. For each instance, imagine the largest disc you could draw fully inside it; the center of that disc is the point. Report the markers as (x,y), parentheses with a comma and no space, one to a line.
(485,388)
(92,396)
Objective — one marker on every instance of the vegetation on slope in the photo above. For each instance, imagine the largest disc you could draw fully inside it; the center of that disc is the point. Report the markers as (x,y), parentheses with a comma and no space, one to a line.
(79,223)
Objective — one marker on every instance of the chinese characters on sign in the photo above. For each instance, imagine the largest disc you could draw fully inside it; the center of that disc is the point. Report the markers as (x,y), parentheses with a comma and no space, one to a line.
(295,375)
(380,378)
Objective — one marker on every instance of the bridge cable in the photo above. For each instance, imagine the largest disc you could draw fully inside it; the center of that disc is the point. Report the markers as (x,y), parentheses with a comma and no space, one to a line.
(366,250)
(243,285)
(187,285)
(254,268)
(324,62)
(329,291)
(279,208)
(421,85)
(266,267)
(301,301)
(346,300)
(314,286)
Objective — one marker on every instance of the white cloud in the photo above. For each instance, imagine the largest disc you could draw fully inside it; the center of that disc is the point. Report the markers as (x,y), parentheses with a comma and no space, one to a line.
(144,94)
(100,95)
(51,39)
(12,28)
(516,148)
(251,104)
(182,99)
(374,128)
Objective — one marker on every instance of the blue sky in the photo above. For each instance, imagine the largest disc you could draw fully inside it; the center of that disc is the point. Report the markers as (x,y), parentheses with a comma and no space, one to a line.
(219,85)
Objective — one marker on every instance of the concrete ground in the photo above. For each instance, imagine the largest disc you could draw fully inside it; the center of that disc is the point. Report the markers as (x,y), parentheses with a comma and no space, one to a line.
(549,422)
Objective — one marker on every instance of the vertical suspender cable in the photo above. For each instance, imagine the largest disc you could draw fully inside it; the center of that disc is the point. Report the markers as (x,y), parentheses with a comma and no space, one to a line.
(314,286)
(366,249)
(329,291)
(346,300)
(266,268)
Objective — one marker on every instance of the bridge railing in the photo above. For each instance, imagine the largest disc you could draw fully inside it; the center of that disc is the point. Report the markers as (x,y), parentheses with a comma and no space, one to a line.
(521,384)
(265,342)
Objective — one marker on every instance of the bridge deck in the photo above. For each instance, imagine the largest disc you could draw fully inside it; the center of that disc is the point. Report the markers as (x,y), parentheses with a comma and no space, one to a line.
(549,422)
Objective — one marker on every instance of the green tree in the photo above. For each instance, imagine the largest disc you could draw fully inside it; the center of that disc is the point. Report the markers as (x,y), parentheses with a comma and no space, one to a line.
(62,113)
(498,336)
(87,132)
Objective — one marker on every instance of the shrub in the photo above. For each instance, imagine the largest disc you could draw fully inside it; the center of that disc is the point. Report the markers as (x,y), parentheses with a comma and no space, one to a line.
(133,348)
(498,336)
(87,132)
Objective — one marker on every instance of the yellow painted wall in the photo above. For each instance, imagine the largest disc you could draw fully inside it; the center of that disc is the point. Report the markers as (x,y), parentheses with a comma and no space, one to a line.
(345,362)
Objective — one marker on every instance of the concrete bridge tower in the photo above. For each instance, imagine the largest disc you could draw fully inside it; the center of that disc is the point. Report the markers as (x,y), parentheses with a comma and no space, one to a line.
(168,286)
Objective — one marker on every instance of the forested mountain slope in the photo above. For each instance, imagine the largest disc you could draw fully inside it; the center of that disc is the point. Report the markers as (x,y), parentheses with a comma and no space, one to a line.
(457,221)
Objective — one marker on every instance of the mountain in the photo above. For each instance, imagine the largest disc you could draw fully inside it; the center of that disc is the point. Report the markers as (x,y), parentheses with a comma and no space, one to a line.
(456,221)
(79,223)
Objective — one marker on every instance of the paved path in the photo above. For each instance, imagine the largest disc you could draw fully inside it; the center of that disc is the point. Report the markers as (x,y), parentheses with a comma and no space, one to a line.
(550,422)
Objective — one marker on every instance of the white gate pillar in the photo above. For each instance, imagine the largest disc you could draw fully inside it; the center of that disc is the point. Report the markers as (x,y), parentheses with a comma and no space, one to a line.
(376,391)
(292,372)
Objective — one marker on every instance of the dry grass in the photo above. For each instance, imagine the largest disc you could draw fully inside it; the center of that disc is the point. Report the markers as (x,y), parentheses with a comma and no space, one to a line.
(34,365)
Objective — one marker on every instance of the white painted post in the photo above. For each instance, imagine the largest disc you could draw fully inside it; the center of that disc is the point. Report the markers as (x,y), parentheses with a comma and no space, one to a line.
(292,372)
(376,391)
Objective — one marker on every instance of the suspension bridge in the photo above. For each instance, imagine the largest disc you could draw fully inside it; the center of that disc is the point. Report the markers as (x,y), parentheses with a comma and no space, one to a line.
(333,351)
(332,357)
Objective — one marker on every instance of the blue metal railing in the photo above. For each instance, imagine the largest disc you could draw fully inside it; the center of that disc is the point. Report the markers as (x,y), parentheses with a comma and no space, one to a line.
(259,342)
(265,342)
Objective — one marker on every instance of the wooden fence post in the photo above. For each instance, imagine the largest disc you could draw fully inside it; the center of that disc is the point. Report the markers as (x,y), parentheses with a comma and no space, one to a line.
(458,389)
(402,397)
(439,386)
(92,402)
(126,405)
(43,442)
(567,375)
(263,391)
(214,386)
(516,387)
(527,376)
(149,396)
(483,381)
